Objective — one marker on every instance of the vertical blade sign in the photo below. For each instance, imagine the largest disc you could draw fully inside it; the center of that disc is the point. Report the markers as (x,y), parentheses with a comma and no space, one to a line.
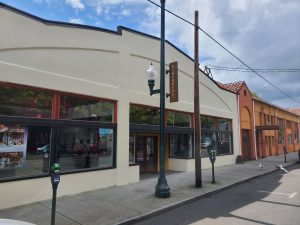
(173,82)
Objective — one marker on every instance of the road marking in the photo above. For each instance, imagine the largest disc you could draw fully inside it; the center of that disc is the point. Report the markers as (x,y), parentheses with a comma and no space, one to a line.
(279,193)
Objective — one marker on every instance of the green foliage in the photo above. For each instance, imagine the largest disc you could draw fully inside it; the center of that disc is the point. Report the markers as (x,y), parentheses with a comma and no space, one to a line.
(254,94)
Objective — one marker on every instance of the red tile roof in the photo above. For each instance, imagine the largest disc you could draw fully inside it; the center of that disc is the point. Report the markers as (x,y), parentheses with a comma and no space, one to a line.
(296,111)
(234,87)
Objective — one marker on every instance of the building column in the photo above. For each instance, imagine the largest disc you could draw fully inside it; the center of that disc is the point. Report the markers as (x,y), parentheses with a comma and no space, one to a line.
(122,159)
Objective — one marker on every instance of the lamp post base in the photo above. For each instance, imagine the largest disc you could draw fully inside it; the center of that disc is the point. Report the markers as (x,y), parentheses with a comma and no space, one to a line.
(162,189)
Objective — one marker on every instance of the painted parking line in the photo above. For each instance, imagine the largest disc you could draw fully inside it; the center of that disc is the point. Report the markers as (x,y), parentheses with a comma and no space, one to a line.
(279,193)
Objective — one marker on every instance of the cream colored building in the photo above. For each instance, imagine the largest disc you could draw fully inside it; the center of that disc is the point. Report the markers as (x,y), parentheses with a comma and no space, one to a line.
(87,61)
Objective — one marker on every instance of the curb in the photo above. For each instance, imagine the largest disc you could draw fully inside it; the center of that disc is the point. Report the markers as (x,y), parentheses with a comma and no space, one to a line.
(193,199)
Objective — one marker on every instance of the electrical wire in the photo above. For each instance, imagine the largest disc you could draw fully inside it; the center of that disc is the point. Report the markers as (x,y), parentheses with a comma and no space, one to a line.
(279,70)
(228,51)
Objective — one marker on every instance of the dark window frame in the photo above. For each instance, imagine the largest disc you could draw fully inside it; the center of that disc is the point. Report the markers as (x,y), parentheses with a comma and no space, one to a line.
(54,125)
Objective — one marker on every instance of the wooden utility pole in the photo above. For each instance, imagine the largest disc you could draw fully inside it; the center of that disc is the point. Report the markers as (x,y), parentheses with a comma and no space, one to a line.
(198,169)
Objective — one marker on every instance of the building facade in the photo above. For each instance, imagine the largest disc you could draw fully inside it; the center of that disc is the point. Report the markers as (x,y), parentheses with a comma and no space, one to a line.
(246,118)
(276,129)
(78,95)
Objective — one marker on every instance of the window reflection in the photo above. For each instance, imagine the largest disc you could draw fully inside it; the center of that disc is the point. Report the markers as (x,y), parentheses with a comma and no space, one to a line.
(178,119)
(144,115)
(181,146)
(81,147)
(25,102)
(73,107)
(219,139)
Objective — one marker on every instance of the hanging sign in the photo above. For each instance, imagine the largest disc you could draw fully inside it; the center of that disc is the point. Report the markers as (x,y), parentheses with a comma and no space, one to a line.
(173,71)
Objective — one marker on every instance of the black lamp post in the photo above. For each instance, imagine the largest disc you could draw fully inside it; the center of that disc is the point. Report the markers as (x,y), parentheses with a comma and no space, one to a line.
(162,189)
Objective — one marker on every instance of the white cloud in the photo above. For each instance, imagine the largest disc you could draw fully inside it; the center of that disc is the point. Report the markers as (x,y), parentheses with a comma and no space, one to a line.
(49,2)
(99,9)
(125,12)
(77,20)
(263,33)
(76,4)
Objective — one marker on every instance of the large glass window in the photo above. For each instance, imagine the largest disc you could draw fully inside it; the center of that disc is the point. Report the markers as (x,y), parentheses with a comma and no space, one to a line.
(289,139)
(181,146)
(280,136)
(178,119)
(208,140)
(77,108)
(24,150)
(224,124)
(208,122)
(296,134)
(144,115)
(132,148)
(82,147)
(217,137)
(25,102)
(224,144)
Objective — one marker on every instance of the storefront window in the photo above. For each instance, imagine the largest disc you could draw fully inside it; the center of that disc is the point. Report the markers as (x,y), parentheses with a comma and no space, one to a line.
(219,139)
(77,108)
(24,150)
(178,119)
(296,135)
(224,124)
(208,122)
(289,139)
(131,148)
(280,136)
(208,140)
(81,147)
(181,146)
(25,102)
(224,144)
(144,115)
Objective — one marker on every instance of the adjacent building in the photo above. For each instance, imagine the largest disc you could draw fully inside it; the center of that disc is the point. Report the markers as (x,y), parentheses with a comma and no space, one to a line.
(265,129)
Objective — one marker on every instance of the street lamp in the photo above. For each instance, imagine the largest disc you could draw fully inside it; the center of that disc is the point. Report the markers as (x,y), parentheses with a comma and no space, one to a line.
(152,75)
(162,189)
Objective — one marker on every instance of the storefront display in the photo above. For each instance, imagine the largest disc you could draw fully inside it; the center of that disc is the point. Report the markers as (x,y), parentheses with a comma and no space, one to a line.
(13,144)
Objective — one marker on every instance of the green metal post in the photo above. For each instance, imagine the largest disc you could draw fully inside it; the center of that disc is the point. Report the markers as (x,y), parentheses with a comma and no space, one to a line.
(162,189)
(53,206)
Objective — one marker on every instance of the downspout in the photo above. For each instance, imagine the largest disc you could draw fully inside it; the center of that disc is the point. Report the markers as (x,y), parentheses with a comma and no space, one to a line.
(254,135)
(277,146)
(239,121)
(298,130)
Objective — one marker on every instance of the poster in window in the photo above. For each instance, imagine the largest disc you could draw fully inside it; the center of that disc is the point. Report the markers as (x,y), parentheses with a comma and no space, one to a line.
(13,143)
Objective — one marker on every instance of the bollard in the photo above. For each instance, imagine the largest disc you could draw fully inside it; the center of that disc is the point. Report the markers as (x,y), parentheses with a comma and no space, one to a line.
(299,154)
(55,179)
(284,152)
(212,157)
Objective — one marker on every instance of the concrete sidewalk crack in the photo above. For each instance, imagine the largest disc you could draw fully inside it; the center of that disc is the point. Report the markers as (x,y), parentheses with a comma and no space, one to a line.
(60,214)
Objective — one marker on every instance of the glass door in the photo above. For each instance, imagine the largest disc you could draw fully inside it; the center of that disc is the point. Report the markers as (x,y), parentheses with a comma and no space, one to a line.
(146,153)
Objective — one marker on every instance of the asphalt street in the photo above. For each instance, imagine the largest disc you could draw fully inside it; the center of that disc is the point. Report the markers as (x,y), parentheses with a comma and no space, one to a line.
(271,199)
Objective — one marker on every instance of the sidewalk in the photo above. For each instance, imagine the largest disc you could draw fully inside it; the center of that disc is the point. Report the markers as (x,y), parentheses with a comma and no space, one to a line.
(125,204)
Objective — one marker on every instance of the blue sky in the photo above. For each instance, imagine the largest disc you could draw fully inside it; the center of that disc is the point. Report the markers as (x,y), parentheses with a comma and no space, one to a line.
(263,33)
(85,12)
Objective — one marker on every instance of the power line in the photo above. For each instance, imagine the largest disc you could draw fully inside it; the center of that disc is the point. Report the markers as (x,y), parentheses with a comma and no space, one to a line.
(278,70)
(228,51)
